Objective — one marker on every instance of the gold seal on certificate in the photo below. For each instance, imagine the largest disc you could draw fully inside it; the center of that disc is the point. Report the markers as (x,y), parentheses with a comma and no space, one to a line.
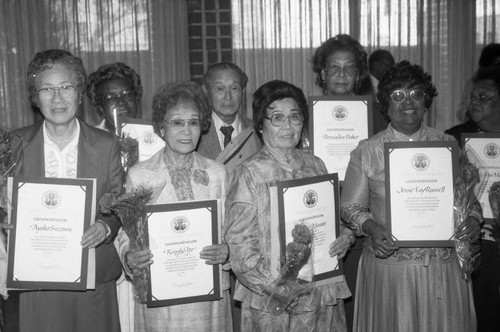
(419,179)
(336,126)
(483,150)
(49,217)
(312,202)
(176,234)
(143,132)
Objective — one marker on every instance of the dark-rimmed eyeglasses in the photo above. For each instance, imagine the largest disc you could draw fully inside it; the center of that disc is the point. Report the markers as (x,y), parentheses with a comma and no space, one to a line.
(481,99)
(399,96)
(179,123)
(277,120)
(348,70)
(112,98)
(65,91)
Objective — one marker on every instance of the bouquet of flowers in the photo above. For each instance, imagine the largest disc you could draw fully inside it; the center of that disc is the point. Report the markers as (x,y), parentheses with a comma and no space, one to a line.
(129,151)
(289,287)
(130,207)
(468,252)
(7,164)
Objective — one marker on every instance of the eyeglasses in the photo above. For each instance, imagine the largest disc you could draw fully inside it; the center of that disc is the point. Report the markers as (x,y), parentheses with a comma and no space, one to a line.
(112,98)
(179,123)
(481,99)
(278,119)
(348,70)
(65,91)
(399,96)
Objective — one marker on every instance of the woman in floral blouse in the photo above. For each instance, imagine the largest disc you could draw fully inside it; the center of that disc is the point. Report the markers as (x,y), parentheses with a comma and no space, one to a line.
(178,173)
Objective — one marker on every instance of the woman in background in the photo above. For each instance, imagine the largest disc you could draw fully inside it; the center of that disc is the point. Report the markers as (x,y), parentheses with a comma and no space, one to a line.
(484,113)
(115,86)
(178,173)
(340,64)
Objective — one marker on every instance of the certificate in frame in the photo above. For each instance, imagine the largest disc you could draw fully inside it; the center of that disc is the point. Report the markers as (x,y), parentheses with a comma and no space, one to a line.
(314,202)
(175,234)
(420,179)
(142,130)
(483,150)
(49,217)
(336,125)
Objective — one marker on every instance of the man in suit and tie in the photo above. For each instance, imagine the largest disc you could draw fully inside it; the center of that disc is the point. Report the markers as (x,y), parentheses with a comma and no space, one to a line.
(231,138)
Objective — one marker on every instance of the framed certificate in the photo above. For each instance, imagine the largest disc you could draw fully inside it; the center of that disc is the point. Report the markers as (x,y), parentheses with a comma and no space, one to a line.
(49,217)
(483,150)
(313,202)
(143,132)
(336,126)
(176,234)
(420,179)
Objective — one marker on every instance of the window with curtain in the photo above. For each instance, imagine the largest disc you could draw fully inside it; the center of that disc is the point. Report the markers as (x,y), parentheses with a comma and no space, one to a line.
(277,40)
(149,35)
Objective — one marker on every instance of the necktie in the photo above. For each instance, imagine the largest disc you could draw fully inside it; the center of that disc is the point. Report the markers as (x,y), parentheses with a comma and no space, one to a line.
(227,131)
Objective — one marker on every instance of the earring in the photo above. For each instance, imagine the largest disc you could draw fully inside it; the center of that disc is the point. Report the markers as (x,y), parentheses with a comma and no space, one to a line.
(323,80)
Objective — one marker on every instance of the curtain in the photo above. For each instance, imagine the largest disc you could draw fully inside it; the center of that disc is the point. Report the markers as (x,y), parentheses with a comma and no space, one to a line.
(278,40)
(149,35)
(275,39)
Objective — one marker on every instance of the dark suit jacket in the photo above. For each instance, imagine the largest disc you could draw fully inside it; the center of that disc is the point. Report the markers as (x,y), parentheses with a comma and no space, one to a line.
(240,148)
(99,158)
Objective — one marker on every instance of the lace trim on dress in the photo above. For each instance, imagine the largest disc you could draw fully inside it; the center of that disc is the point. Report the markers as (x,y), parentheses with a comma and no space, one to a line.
(421,254)
(181,178)
(354,215)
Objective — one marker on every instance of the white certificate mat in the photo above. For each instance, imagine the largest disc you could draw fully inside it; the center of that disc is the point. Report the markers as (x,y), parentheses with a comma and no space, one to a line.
(177,233)
(336,126)
(50,216)
(143,132)
(314,203)
(419,192)
(483,150)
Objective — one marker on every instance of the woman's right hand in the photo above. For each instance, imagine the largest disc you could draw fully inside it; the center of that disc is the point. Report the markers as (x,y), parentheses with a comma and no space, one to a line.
(138,260)
(383,245)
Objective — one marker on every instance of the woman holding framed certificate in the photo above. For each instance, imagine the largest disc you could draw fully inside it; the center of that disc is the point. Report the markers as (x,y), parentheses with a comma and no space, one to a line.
(62,146)
(484,129)
(280,109)
(402,289)
(178,173)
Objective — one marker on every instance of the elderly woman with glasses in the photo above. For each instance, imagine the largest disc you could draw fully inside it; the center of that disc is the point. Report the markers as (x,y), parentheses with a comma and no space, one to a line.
(115,87)
(178,173)
(484,112)
(402,289)
(62,146)
(279,112)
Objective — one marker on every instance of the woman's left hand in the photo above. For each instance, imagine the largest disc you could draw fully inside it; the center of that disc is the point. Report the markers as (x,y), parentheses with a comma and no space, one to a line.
(215,254)
(94,236)
(340,246)
(469,229)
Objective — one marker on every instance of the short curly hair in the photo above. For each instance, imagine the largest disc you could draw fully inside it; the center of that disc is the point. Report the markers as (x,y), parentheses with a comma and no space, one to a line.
(489,54)
(407,75)
(112,71)
(271,91)
(45,60)
(488,73)
(339,43)
(168,96)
